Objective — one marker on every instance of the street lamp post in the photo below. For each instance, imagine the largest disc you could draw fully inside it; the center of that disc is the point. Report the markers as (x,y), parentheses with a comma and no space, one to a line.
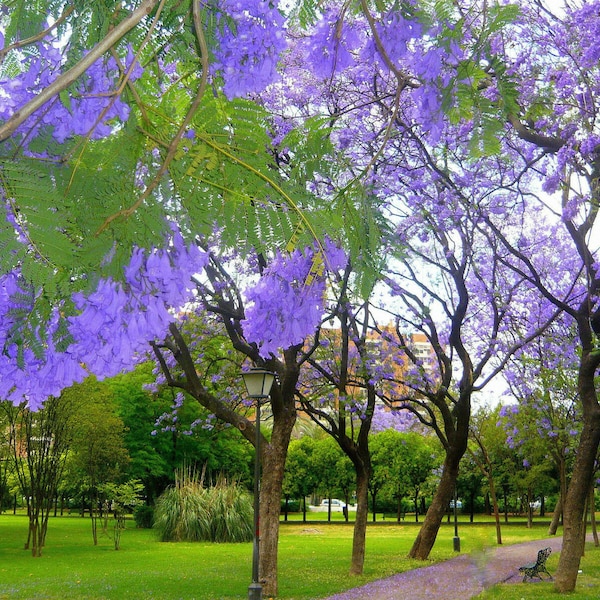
(258,385)
(456,539)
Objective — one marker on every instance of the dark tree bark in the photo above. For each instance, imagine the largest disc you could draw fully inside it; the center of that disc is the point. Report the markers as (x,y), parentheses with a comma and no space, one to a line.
(592,506)
(454,431)
(374,504)
(444,493)
(556,517)
(358,452)
(557,514)
(273,456)
(360,525)
(583,470)
(351,433)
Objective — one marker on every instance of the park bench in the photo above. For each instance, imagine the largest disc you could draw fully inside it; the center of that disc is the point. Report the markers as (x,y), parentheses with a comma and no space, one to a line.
(539,566)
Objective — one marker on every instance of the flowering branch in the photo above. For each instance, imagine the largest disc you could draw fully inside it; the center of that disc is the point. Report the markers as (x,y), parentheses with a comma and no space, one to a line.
(66,79)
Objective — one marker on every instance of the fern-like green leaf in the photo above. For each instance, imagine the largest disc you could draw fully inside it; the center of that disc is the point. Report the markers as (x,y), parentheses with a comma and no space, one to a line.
(306,12)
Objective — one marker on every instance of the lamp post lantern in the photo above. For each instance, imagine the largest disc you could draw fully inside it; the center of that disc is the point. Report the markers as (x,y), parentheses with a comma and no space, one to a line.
(258,385)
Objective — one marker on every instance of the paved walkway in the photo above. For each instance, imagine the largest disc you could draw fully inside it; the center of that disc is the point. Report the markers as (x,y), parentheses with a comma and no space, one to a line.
(459,578)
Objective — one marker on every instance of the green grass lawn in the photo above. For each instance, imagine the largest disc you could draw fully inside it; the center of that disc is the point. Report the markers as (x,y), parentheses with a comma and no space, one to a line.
(313,561)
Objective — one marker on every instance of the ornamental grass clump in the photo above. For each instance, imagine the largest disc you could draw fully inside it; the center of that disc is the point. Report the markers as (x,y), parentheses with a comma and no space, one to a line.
(190,512)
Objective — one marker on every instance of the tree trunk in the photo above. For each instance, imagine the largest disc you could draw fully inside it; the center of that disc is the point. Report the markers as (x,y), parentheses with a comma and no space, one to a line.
(286,507)
(583,471)
(558,509)
(374,500)
(346,507)
(273,456)
(556,516)
(433,519)
(360,524)
(94,518)
(592,505)
(416,503)
(494,500)
(399,509)
(472,507)
(36,546)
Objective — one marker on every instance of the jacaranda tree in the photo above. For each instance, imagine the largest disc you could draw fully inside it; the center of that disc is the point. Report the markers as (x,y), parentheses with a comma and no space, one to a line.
(543,380)
(554,126)
(501,110)
(266,324)
(445,127)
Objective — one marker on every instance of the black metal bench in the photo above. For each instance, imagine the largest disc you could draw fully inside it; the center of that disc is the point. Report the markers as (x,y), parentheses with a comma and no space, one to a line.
(539,566)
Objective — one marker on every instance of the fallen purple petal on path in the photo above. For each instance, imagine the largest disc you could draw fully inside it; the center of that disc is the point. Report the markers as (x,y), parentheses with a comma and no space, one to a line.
(459,578)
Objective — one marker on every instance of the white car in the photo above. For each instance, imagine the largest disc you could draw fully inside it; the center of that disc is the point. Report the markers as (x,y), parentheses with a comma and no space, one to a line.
(335,504)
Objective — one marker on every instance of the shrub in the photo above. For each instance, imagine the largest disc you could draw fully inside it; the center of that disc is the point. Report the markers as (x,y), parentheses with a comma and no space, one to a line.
(292,506)
(190,512)
(144,516)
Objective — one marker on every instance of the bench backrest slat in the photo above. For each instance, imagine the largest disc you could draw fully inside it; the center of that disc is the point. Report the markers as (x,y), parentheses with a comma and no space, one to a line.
(543,555)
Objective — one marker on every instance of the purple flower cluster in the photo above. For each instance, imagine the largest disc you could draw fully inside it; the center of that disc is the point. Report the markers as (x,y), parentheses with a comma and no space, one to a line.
(286,304)
(584,23)
(251,38)
(90,107)
(168,421)
(339,64)
(113,326)
(399,420)
(330,48)
(396,34)
(30,372)
(117,320)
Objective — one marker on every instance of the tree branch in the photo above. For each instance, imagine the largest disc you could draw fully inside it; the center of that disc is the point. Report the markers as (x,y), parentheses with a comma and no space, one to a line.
(66,79)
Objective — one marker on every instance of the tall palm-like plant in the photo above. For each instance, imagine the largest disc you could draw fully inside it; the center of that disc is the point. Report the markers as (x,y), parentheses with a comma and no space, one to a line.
(188,511)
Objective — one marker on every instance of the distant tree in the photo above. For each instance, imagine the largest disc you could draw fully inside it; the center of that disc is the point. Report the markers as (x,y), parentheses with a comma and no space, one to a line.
(486,440)
(345,477)
(339,393)
(326,459)
(385,447)
(99,453)
(533,467)
(544,381)
(150,455)
(300,478)
(120,499)
(403,461)
(39,443)
(469,483)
